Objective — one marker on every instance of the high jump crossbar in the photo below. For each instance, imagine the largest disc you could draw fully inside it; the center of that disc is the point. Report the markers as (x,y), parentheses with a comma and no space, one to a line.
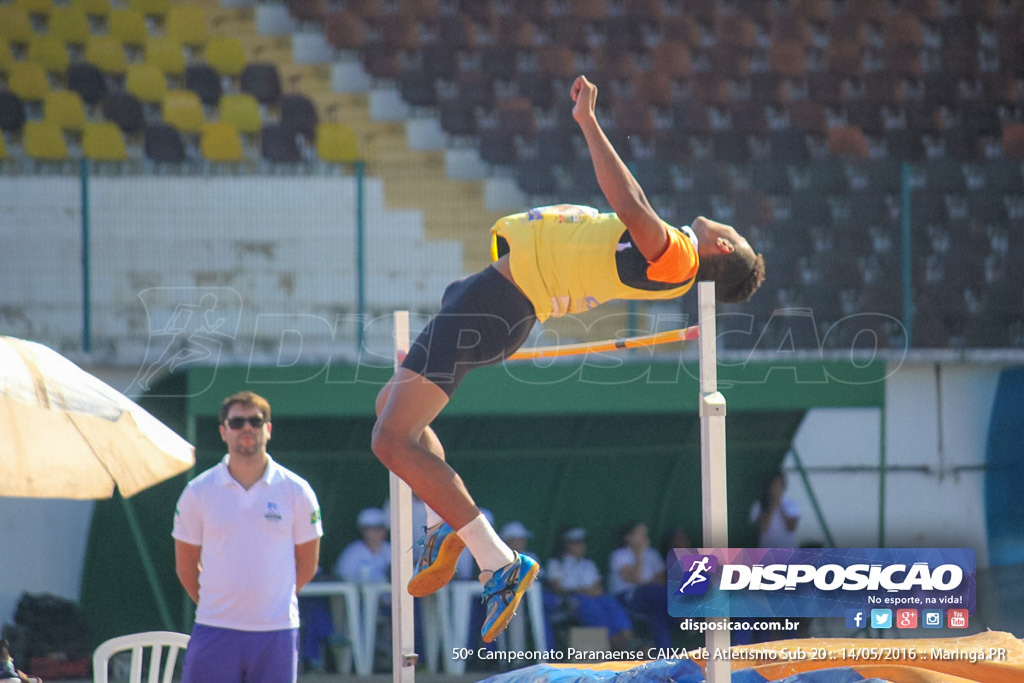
(684,334)
(713,483)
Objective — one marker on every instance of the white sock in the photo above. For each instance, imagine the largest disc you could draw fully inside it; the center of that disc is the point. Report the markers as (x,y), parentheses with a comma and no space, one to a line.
(490,552)
(433,519)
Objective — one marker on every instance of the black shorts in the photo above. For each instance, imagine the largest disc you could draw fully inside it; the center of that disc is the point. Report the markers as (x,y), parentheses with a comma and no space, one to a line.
(484,318)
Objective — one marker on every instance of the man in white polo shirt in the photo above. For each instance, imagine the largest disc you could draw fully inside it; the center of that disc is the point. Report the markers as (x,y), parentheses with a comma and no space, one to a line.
(247,538)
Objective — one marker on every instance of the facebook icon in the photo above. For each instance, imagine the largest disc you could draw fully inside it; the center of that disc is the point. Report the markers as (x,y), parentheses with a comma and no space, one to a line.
(856,618)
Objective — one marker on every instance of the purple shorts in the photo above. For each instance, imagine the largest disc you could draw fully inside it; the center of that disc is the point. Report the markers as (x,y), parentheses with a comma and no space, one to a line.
(224,655)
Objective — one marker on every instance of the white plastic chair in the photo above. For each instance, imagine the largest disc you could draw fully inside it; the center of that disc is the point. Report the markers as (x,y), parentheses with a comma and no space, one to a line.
(155,641)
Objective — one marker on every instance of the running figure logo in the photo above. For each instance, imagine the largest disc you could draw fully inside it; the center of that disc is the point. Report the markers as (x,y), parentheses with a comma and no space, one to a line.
(698,568)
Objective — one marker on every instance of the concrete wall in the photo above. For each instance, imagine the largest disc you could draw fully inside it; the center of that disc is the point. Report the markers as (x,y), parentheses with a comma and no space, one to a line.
(208,261)
(935,433)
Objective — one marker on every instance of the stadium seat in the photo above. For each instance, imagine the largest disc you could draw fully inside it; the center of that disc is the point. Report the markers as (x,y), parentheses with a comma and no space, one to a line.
(336,143)
(103,141)
(125,110)
(166,54)
(1013,141)
(87,81)
(146,82)
(186,24)
(298,115)
(156,9)
(12,112)
(51,52)
(457,117)
(28,81)
(44,141)
(278,145)
(848,142)
(93,9)
(203,80)
(6,55)
(69,24)
(220,142)
(307,10)
(535,177)
(183,110)
(107,54)
(36,8)
(261,80)
(65,108)
(15,24)
(128,25)
(417,89)
(163,144)
(242,111)
(3,148)
(344,30)
(226,55)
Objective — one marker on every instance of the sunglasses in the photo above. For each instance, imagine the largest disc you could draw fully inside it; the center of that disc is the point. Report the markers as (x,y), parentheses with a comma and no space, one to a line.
(255,421)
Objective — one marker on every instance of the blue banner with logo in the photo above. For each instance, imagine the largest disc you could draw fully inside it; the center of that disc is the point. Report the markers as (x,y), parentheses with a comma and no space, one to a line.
(818,582)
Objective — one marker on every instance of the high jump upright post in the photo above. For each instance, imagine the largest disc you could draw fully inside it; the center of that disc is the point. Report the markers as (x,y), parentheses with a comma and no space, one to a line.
(712,467)
(403,649)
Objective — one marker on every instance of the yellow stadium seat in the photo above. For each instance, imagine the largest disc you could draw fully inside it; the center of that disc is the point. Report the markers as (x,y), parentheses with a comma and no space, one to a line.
(28,81)
(128,25)
(15,24)
(3,147)
(220,142)
(242,111)
(106,53)
(151,8)
(103,141)
(44,141)
(183,110)
(186,24)
(39,8)
(92,8)
(6,56)
(146,82)
(226,54)
(69,24)
(51,52)
(336,143)
(166,54)
(65,108)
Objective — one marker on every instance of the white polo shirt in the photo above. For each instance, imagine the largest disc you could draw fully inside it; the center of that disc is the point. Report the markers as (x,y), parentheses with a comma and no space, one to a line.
(248,540)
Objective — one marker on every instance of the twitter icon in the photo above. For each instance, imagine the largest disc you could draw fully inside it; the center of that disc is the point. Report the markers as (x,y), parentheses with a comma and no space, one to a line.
(881,618)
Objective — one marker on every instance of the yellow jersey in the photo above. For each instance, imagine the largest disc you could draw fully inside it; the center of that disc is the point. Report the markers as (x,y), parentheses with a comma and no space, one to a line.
(569,259)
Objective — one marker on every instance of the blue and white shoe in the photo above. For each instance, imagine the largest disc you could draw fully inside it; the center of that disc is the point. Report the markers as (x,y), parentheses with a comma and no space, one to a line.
(504,591)
(441,548)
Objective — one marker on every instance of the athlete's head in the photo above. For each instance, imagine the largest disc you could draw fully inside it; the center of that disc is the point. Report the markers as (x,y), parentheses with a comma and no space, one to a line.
(727,258)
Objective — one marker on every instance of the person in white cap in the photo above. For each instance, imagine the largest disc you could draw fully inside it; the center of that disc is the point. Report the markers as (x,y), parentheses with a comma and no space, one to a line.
(367,558)
(578,581)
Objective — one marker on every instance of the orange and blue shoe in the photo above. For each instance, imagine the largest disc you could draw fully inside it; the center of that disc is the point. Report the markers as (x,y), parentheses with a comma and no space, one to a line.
(503,593)
(440,550)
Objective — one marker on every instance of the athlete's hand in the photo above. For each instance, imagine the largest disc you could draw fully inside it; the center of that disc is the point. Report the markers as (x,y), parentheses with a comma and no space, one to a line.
(584,94)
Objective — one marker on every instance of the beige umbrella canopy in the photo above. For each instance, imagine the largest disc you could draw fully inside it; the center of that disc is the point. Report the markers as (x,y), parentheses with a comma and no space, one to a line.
(66,434)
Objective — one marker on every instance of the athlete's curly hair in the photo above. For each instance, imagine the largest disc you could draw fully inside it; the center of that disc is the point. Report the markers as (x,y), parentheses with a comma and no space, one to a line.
(737,274)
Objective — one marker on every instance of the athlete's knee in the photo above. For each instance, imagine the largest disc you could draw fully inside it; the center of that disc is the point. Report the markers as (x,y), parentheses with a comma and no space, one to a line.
(386,443)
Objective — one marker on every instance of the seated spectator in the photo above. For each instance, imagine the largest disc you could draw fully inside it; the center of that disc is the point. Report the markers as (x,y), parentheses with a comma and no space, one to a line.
(367,558)
(577,580)
(637,579)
